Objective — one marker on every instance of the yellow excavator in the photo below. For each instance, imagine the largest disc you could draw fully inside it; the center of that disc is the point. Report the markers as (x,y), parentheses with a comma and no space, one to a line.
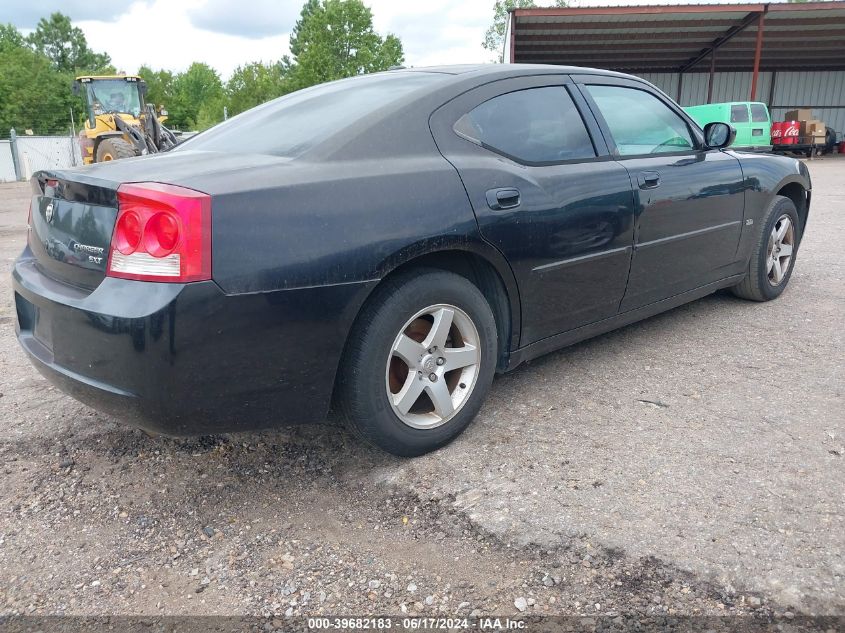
(119,122)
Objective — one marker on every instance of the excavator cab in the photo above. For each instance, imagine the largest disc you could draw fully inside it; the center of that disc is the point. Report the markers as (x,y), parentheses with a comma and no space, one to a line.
(119,122)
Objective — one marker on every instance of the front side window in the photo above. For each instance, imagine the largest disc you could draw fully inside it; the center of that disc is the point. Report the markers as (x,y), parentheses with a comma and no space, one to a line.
(759,114)
(639,122)
(538,125)
(739,114)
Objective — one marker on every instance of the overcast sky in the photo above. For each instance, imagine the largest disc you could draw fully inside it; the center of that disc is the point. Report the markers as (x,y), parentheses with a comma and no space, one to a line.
(227,33)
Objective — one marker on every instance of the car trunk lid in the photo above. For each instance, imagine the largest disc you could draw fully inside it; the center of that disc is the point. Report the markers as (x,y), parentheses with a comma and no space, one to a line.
(74,212)
(71,224)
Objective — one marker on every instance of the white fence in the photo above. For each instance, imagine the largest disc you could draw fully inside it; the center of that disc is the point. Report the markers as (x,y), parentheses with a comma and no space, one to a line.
(7,165)
(47,152)
(37,152)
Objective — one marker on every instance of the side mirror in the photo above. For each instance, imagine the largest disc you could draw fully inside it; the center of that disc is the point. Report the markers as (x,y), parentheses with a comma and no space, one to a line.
(75,88)
(719,135)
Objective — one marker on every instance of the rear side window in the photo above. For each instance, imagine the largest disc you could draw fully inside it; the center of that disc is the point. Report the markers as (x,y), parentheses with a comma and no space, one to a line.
(538,125)
(640,123)
(739,114)
(759,114)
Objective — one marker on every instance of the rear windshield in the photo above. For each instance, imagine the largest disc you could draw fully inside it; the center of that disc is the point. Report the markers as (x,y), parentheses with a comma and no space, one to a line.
(293,124)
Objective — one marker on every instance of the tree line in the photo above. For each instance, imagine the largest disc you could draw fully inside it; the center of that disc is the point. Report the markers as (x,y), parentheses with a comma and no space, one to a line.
(36,72)
(331,40)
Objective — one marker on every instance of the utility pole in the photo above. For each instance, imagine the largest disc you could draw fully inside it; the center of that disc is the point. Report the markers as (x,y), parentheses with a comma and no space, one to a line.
(72,138)
(225,113)
(13,138)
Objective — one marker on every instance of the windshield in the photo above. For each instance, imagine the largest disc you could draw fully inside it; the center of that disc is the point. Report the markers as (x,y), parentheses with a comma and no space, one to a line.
(295,123)
(114,95)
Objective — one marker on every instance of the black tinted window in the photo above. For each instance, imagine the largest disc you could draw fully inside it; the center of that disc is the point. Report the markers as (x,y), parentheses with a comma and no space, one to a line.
(739,114)
(540,125)
(640,122)
(759,114)
(292,124)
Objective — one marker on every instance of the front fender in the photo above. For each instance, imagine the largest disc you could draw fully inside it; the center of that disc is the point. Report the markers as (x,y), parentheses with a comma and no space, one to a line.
(766,176)
(802,177)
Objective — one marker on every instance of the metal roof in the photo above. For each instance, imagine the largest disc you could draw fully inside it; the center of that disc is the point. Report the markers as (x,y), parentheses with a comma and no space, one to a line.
(658,38)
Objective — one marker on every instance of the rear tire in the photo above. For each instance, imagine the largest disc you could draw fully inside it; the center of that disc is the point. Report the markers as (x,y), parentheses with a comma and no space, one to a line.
(114,149)
(773,258)
(419,362)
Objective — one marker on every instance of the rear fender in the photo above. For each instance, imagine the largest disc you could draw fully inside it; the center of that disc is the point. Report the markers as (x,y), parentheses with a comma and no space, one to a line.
(451,244)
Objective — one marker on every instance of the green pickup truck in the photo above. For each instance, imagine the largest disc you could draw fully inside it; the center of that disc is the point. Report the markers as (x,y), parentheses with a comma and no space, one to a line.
(751,119)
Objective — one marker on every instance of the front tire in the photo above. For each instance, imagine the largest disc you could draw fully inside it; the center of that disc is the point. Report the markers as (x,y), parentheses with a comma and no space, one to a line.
(114,149)
(773,259)
(419,362)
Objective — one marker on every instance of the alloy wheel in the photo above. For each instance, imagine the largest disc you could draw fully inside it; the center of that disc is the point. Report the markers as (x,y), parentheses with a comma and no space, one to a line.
(781,248)
(433,366)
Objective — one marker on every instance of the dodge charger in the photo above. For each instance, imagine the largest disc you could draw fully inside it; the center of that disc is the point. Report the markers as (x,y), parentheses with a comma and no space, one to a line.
(383,245)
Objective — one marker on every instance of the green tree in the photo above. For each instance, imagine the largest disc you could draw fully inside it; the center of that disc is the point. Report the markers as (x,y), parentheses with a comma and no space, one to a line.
(494,38)
(297,45)
(159,85)
(253,84)
(334,39)
(10,38)
(390,53)
(197,88)
(33,95)
(66,47)
(210,113)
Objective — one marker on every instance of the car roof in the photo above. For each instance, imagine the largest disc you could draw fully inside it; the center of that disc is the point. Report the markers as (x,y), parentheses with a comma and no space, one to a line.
(513,69)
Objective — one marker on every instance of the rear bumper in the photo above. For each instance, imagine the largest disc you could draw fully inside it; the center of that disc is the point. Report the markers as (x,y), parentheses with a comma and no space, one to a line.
(187,359)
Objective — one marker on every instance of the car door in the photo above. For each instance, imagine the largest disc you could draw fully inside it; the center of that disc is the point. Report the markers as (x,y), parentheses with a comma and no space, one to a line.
(546,193)
(689,200)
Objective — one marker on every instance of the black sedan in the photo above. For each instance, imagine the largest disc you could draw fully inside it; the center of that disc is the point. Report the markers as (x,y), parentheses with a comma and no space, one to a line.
(386,244)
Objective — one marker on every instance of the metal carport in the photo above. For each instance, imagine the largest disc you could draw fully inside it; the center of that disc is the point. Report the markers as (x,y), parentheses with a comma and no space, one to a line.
(788,55)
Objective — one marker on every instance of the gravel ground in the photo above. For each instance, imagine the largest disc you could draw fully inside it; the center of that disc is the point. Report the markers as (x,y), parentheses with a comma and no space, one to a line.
(689,464)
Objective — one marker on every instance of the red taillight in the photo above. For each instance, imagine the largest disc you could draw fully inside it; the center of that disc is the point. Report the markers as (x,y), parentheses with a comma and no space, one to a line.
(162,233)
(127,233)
